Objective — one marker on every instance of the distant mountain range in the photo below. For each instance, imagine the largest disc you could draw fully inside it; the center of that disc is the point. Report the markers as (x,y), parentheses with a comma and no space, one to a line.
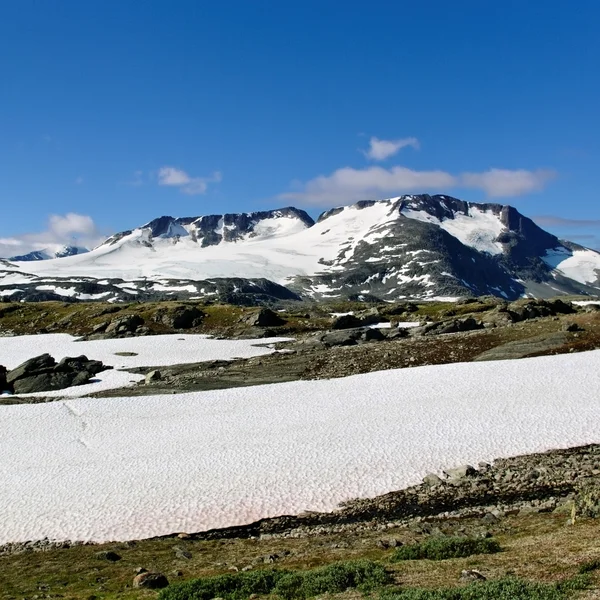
(47,254)
(418,246)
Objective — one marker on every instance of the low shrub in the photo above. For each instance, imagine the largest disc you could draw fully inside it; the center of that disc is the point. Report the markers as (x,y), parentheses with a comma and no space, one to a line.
(590,566)
(442,548)
(501,589)
(361,574)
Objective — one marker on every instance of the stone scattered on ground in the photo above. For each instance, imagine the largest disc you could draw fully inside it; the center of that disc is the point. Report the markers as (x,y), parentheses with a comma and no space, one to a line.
(43,373)
(108,555)
(150,581)
(469,575)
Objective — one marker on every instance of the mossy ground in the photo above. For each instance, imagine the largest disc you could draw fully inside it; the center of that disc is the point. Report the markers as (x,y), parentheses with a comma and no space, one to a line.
(539,548)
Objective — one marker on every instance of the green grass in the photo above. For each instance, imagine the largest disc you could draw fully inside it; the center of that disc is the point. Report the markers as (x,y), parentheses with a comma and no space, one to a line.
(338,577)
(588,567)
(501,589)
(442,548)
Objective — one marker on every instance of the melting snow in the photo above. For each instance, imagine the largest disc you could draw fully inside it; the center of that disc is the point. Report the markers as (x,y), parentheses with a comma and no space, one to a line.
(129,468)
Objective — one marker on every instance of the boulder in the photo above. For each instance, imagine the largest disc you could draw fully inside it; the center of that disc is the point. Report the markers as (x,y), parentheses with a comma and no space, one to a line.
(43,373)
(346,322)
(432,479)
(264,317)
(372,335)
(180,317)
(150,581)
(462,472)
(153,376)
(471,575)
(451,326)
(345,337)
(128,324)
(108,555)
(3,382)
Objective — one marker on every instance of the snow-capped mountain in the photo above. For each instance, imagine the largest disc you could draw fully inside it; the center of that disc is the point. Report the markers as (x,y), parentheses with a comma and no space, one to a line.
(48,254)
(406,247)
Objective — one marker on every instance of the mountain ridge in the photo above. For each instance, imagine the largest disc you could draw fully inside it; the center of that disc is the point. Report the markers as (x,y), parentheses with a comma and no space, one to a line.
(413,246)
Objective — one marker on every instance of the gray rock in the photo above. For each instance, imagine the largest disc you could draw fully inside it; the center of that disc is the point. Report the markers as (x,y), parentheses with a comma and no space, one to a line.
(153,376)
(345,337)
(372,335)
(150,581)
(471,575)
(42,373)
(128,324)
(182,553)
(571,327)
(346,322)
(180,317)
(108,555)
(3,383)
(452,326)
(432,479)
(264,317)
(461,472)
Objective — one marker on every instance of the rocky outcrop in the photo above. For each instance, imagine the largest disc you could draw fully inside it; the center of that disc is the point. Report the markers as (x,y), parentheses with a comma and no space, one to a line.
(43,374)
(128,324)
(451,326)
(264,317)
(179,317)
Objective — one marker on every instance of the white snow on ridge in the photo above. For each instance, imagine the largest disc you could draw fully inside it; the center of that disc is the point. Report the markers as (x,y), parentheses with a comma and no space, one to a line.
(479,229)
(128,468)
(580,265)
(280,248)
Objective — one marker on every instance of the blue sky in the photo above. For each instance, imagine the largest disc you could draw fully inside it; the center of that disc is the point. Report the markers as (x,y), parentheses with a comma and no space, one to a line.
(113,112)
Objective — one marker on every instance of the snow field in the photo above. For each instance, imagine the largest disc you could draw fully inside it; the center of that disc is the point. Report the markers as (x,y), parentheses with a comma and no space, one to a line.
(148,351)
(128,468)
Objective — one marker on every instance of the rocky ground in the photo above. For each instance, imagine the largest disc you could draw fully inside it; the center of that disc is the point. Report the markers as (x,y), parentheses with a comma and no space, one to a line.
(542,508)
(324,345)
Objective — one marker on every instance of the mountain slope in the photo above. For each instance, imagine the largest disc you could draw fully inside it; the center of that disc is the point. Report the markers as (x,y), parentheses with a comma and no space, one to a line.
(411,246)
(48,254)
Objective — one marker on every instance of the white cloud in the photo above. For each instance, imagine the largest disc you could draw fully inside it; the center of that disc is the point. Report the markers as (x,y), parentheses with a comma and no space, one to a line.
(347,185)
(70,229)
(172,176)
(382,149)
(497,183)
(71,224)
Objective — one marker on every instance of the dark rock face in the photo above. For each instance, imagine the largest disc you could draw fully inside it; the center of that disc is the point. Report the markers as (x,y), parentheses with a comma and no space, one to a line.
(42,374)
(225,290)
(211,230)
